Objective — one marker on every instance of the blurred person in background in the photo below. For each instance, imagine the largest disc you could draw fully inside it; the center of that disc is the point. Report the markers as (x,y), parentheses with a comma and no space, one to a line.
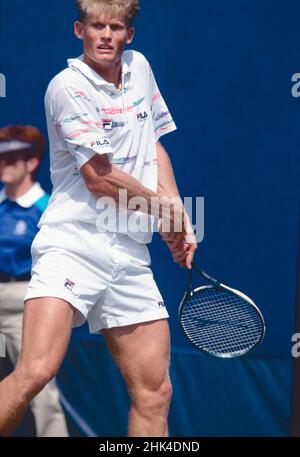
(22,202)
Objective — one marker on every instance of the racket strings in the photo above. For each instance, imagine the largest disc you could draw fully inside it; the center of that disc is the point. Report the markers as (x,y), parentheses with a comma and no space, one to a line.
(221,322)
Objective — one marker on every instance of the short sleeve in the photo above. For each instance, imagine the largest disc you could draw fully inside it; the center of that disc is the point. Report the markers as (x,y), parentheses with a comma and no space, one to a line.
(162,119)
(78,125)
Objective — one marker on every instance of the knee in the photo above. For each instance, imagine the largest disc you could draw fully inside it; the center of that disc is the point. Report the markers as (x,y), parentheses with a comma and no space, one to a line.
(154,396)
(164,393)
(36,375)
(42,374)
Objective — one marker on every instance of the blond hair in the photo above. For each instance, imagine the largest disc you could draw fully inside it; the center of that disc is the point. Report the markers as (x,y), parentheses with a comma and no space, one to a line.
(127,9)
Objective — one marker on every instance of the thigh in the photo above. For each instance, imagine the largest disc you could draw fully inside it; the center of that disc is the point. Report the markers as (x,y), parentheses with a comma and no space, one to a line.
(141,351)
(47,326)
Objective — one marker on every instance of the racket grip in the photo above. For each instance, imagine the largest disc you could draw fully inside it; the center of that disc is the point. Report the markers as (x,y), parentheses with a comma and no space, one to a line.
(205,275)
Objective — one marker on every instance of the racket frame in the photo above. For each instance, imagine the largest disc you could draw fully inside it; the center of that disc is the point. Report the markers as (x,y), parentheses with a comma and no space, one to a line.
(190,292)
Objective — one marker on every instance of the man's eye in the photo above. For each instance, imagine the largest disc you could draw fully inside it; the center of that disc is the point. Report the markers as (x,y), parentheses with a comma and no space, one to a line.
(116,27)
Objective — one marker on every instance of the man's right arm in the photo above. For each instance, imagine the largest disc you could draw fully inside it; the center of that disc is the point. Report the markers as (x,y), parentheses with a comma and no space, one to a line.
(104,179)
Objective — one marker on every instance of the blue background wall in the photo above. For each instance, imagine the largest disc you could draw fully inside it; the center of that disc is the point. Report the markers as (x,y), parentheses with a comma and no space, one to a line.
(225,71)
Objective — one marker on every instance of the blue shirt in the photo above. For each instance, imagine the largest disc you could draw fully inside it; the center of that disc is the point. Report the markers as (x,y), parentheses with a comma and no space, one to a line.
(18,227)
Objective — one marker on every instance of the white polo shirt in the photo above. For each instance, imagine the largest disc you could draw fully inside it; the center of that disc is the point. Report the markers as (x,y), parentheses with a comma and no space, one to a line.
(86,115)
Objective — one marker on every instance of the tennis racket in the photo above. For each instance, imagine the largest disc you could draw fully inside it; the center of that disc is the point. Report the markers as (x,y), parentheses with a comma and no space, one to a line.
(219,320)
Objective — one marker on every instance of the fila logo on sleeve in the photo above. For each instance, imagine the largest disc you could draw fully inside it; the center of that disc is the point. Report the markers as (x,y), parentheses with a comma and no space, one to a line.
(99,143)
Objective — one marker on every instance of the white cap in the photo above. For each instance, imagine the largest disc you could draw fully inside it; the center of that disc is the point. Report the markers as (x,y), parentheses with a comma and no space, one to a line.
(13,145)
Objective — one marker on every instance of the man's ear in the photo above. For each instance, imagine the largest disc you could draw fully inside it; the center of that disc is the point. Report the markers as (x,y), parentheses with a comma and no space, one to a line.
(78,29)
(32,164)
(130,35)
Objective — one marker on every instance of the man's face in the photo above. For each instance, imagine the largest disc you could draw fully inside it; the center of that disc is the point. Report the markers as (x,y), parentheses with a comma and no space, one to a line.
(104,38)
(13,168)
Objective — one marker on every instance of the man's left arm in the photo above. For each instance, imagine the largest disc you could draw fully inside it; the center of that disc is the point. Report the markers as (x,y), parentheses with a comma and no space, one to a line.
(183,253)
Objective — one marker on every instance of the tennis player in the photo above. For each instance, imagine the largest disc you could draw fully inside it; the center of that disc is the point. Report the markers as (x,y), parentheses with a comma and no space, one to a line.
(105,117)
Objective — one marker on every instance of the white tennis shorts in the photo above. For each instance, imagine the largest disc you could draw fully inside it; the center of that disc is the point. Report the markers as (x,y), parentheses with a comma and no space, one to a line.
(105,276)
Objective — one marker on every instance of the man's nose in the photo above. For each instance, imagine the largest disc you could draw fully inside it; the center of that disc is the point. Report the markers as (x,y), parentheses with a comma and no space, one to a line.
(106,33)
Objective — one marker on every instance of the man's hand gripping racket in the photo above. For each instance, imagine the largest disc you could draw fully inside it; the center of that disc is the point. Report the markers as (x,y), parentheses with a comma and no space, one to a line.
(180,237)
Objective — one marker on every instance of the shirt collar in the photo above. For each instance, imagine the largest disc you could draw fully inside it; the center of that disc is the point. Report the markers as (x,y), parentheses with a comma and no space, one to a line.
(88,72)
(28,199)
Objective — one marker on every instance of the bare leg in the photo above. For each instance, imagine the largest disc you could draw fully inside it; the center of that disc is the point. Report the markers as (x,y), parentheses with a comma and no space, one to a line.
(142,353)
(46,331)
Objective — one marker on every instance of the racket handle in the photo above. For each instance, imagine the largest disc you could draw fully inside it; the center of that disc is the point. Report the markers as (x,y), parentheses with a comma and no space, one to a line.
(214,281)
(190,284)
